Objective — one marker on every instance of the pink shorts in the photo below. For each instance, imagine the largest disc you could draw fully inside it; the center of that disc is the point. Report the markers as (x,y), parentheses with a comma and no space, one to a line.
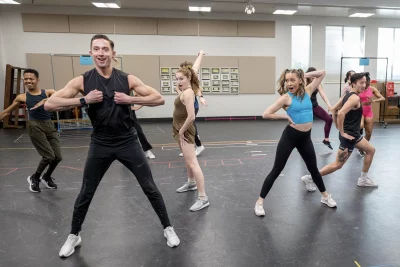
(367,112)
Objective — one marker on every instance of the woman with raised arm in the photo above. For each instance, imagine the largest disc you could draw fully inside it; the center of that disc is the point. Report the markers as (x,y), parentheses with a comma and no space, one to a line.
(295,99)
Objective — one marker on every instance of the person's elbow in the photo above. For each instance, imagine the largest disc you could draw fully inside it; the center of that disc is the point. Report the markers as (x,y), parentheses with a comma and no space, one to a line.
(48,106)
(159,101)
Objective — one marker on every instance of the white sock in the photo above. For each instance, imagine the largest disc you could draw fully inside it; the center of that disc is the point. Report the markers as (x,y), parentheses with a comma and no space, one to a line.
(364,174)
(202,195)
(191,180)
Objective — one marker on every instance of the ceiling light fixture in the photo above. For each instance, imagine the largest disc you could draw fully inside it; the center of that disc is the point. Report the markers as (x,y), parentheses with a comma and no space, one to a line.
(285,10)
(10,2)
(199,5)
(249,8)
(200,8)
(361,13)
(107,3)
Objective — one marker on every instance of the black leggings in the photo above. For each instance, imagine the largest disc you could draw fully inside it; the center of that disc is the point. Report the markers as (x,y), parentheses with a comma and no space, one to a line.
(142,138)
(196,137)
(99,160)
(290,139)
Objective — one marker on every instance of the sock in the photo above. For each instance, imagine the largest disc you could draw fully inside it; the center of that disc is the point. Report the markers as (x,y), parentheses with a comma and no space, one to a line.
(191,180)
(202,195)
(364,175)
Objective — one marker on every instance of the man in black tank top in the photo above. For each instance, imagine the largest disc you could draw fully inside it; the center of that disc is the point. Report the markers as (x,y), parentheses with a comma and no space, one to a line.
(41,130)
(348,120)
(106,91)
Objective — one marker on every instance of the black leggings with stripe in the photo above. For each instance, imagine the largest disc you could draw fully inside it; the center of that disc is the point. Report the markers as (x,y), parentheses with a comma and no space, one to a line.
(290,139)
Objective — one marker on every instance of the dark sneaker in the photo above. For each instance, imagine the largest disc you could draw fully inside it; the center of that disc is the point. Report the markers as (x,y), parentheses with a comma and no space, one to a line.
(328,144)
(49,182)
(34,184)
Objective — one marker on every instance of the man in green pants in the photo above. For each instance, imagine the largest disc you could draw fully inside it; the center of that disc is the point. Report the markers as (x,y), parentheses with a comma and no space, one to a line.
(40,128)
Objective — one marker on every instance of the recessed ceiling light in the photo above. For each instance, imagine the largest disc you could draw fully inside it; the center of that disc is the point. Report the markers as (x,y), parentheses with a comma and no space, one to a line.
(361,13)
(10,2)
(200,8)
(107,4)
(284,12)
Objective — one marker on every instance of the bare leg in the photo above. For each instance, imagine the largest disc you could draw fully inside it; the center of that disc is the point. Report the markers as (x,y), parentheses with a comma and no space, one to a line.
(365,146)
(368,125)
(193,167)
(341,158)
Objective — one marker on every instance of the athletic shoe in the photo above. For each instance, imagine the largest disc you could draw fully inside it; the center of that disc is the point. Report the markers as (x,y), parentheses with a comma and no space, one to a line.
(199,149)
(328,144)
(188,186)
(181,155)
(328,201)
(49,182)
(149,154)
(34,184)
(172,238)
(310,185)
(259,210)
(366,182)
(200,204)
(69,246)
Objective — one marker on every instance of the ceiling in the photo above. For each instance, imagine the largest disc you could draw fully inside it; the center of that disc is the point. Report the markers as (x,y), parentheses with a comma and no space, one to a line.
(340,8)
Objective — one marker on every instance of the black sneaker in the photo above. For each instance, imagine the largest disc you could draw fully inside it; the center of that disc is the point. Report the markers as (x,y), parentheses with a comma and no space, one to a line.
(34,184)
(327,143)
(49,182)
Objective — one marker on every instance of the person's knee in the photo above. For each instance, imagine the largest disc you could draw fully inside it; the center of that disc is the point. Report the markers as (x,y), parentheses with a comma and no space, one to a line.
(49,158)
(370,151)
(329,120)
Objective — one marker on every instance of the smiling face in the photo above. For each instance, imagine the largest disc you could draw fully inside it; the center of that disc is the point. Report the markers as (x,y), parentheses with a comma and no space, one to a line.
(360,84)
(183,81)
(292,82)
(102,53)
(30,81)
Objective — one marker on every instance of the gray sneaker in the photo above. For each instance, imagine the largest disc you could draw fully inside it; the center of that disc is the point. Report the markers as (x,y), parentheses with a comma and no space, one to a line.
(188,186)
(310,185)
(329,201)
(366,182)
(200,204)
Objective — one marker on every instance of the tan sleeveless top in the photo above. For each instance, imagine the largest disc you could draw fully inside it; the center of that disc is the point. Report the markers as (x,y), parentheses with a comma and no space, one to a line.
(178,119)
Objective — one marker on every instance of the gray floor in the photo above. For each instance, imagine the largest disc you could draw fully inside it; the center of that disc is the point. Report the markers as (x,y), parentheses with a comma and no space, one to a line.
(121,229)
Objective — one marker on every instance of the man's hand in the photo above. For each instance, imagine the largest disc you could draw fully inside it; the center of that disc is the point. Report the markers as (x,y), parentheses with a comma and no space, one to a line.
(122,99)
(94,96)
(201,52)
(39,104)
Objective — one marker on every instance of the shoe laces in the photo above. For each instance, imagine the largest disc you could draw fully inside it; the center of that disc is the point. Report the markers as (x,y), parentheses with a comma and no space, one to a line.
(170,231)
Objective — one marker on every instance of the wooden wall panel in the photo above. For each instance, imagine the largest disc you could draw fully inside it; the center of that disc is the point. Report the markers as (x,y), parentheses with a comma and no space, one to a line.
(224,28)
(44,23)
(179,27)
(257,75)
(256,29)
(41,63)
(91,24)
(146,68)
(130,25)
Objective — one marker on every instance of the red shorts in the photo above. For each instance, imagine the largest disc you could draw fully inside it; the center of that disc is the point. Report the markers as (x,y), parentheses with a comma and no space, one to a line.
(367,112)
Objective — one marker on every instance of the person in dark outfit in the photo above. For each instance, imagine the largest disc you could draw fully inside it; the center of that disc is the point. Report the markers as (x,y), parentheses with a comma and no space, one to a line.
(106,92)
(147,147)
(347,114)
(41,130)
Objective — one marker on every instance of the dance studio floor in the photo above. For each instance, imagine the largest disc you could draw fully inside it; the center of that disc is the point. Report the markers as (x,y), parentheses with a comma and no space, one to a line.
(121,229)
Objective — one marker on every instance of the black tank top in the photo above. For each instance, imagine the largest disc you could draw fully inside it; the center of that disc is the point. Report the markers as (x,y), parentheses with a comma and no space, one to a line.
(37,114)
(111,122)
(314,98)
(352,119)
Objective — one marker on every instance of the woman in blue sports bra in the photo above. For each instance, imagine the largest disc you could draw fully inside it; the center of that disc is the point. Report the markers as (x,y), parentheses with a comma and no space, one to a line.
(295,99)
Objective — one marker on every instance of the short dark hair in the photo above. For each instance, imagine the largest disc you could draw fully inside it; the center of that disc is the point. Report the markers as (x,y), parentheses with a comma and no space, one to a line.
(101,36)
(348,75)
(357,76)
(32,71)
(310,69)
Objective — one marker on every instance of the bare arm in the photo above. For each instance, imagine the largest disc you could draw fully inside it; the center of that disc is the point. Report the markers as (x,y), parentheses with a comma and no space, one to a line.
(65,98)
(335,109)
(15,105)
(319,76)
(147,96)
(136,107)
(269,113)
(197,63)
(378,95)
(324,97)
(351,103)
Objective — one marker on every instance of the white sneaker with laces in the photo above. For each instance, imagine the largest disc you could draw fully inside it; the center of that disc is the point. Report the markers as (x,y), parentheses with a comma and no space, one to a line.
(310,185)
(366,182)
(201,203)
(69,246)
(199,149)
(171,236)
(329,201)
(150,154)
(259,210)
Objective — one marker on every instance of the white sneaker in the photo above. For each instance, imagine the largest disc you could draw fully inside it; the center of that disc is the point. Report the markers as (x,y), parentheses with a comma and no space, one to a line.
(150,154)
(259,210)
(310,185)
(69,246)
(200,204)
(366,182)
(188,186)
(328,201)
(181,155)
(199,149)
(171,236)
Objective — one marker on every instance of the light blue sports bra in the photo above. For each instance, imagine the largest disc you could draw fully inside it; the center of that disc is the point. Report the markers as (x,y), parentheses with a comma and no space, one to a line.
(300,111)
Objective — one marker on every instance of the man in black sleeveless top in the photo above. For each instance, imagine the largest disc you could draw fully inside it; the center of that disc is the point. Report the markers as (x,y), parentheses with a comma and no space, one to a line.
(41,130)
(106,91)
(348,120)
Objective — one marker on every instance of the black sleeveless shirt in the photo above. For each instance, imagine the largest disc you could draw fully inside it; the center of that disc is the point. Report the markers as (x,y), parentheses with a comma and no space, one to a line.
(39,113)
(111,122)
(314,98)
(352,120)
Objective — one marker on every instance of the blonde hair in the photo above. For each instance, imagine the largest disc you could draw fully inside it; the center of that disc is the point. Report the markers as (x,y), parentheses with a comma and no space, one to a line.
(281,82)
(187,70)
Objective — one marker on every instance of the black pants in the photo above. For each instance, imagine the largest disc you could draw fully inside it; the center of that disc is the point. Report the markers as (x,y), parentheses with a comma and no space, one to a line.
(99,160)
(142,138)
(290,139)
(196,137)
